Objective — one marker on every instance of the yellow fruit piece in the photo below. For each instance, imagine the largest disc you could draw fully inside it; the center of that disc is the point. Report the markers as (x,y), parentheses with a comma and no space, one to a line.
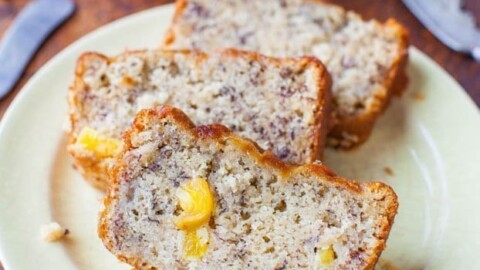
(326,255)
(194,247)
(101,145)
(197,203)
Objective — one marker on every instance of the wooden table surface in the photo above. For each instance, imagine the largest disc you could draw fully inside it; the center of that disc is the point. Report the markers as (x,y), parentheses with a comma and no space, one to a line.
(91,14)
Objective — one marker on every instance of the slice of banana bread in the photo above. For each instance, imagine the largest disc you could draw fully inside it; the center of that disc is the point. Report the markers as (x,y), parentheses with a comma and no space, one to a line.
(365,58)
(186,197)
(284,105)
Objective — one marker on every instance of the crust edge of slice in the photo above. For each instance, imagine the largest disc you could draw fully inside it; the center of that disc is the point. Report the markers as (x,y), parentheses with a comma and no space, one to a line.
(395,84)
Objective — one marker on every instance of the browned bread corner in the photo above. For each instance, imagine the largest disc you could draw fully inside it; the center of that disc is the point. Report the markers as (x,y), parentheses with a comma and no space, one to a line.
(282,104)
(266,214)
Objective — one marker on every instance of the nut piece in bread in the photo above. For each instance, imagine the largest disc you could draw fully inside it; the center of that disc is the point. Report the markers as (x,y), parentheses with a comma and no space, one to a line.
(365,58)
(267,214)
(282,104)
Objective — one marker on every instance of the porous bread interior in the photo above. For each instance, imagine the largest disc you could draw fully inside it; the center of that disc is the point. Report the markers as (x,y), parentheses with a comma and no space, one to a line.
(264,219)
(358,54)
(276,103)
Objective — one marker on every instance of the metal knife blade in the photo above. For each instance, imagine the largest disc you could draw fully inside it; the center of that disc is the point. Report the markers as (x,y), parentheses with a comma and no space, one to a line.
(27,32)
(449,23)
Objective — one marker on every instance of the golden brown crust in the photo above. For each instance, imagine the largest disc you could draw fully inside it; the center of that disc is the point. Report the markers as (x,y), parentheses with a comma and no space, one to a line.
(216,133)
(90,167)
(96,171)
(359,126)
(170,35)
(323,120)
(395,83)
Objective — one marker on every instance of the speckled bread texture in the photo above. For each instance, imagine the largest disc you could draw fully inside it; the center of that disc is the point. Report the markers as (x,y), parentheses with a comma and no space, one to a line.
(366,59)
(269,214)
(282,104)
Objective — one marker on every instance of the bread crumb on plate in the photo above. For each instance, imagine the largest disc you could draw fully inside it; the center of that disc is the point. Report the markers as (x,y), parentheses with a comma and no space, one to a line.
(418,96)
(388,170)
(53,232)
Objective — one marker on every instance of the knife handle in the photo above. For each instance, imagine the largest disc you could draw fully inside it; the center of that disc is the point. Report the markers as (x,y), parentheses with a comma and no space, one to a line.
(27,32)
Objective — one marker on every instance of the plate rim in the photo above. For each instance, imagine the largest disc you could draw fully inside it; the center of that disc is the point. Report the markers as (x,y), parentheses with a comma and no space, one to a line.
(30,88)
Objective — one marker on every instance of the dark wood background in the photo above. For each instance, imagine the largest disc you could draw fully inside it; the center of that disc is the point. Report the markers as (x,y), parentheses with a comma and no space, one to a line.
(91,14)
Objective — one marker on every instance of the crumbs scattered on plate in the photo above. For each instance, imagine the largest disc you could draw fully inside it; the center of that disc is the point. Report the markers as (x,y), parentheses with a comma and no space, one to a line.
(53,232)
(388,171)
(419,96)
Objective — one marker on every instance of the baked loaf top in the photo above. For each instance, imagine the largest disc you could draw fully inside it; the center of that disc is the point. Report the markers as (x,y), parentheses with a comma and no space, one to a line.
(267,214)
(283,105)
(364,57)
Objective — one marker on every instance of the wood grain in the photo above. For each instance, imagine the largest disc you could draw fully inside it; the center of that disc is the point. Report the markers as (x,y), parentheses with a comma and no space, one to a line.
(91,14)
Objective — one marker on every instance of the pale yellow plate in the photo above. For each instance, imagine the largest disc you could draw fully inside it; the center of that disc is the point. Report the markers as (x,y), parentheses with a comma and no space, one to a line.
(429,139)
